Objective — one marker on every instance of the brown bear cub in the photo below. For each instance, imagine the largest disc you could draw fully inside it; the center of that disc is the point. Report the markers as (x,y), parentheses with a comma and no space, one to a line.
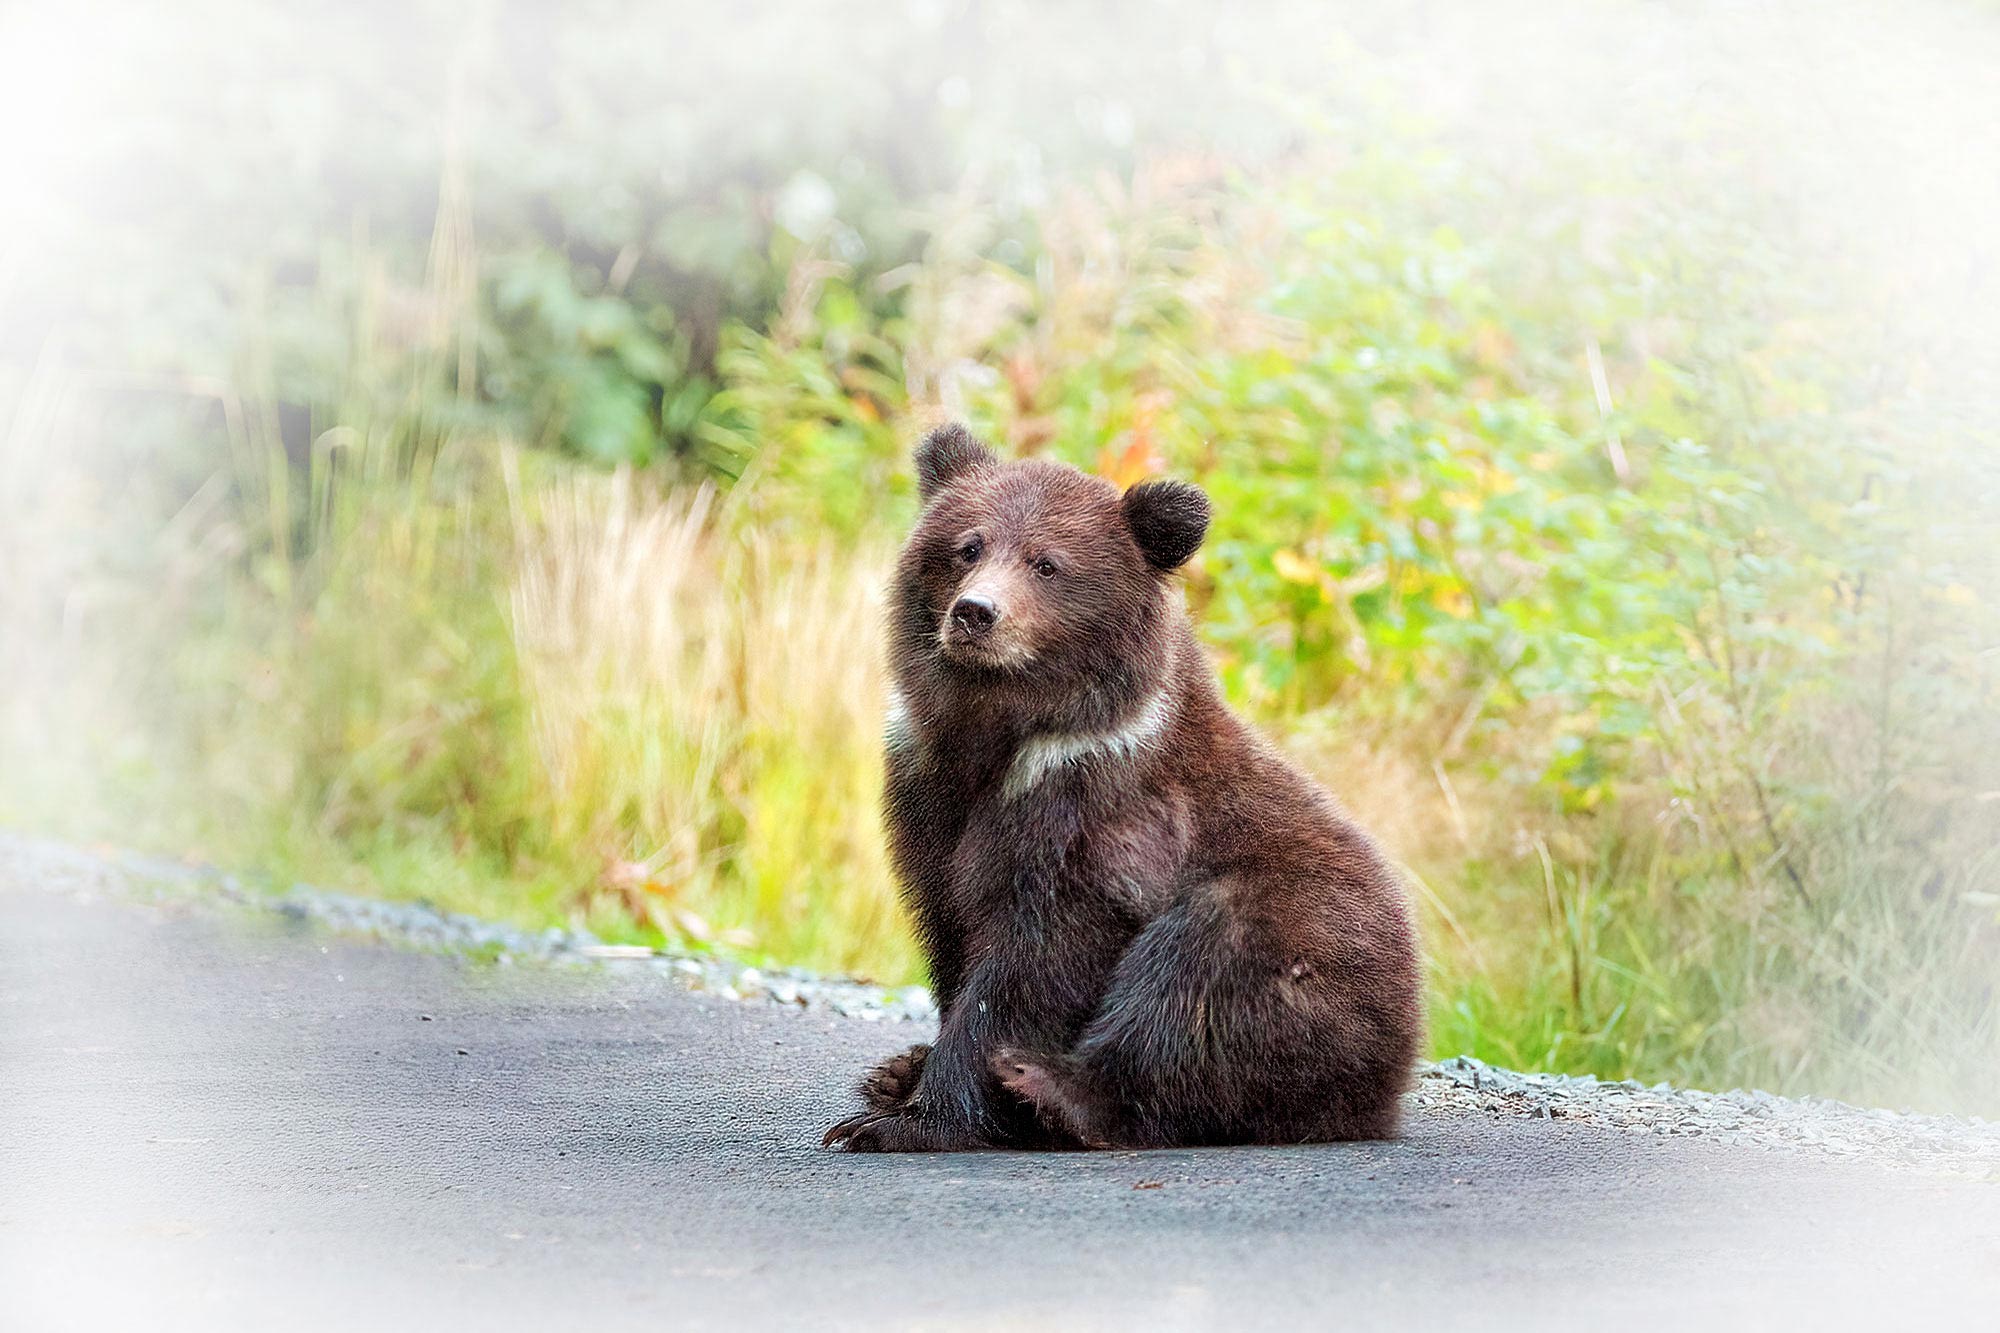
(1144,926)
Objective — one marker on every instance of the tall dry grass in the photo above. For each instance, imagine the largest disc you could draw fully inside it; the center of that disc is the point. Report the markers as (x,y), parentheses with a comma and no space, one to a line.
(705,702)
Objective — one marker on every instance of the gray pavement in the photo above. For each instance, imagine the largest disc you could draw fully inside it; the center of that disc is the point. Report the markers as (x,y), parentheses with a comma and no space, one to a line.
(215,1119)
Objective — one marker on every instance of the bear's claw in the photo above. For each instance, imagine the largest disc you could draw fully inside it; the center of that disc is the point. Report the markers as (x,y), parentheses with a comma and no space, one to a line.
(890,1131)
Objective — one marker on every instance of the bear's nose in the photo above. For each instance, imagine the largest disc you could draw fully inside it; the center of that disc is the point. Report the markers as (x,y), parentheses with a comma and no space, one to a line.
(974,614)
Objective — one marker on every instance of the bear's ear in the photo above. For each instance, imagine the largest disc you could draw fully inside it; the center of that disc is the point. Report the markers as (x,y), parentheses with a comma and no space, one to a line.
(945,455)
(1168,520)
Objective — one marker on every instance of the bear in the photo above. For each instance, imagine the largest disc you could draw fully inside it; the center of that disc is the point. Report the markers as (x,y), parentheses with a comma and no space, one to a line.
(1144,926)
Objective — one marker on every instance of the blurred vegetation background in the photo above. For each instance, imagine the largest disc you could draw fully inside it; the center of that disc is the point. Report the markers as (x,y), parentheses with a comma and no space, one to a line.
(455,452)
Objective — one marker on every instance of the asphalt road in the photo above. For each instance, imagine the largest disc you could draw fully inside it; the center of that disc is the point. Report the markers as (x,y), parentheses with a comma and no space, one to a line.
(216,1120)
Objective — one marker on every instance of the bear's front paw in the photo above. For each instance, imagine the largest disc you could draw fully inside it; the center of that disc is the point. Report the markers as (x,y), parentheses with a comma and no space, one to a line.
(877,1131)
(888,1085)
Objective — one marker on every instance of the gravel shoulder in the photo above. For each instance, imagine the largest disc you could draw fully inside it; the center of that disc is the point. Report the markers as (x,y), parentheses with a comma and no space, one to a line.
(255,1116)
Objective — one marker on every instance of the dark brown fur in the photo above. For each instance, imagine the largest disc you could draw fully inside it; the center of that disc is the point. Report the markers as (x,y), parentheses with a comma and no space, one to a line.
(1174,939)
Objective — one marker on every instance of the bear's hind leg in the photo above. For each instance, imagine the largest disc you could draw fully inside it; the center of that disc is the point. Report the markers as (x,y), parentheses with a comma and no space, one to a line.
(1209,1034)
(1061,1098)
(1134,1078)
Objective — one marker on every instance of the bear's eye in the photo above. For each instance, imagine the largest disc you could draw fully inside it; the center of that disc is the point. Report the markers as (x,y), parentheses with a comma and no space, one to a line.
(971,551)
(1045,567)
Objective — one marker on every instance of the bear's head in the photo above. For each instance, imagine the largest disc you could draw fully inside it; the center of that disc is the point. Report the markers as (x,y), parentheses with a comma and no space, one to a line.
(1035,573)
